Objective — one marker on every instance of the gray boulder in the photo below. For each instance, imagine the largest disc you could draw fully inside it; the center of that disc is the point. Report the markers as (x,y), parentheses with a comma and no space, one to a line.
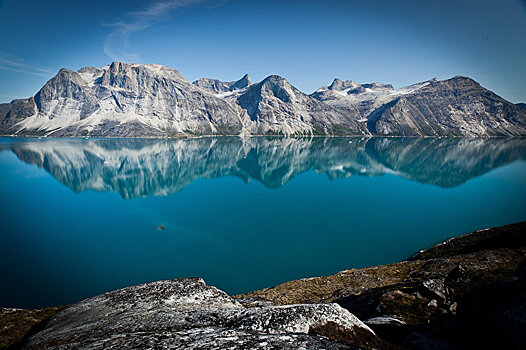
(188,314)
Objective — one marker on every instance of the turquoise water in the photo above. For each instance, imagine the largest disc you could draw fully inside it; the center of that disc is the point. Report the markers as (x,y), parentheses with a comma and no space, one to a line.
(80,216)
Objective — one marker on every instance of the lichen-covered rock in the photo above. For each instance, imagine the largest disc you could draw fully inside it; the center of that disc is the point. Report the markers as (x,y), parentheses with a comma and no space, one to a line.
(16,323)
(188,314)
(468,292)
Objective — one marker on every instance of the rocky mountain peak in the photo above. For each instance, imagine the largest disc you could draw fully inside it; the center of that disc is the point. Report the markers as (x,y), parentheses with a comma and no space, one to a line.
(279,108)
(339,85)
(137,77)
(64,71)
(67,84)
(350,87)
(117,66)
(276,83)
(219,86)
(456,107)
(89,70)
(274,79)
(457,82)
(377,86)
(278,87)
(122,67)
(242,83)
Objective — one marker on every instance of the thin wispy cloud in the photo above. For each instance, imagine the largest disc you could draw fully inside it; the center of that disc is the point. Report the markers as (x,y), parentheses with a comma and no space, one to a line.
(117,44)
(20,66)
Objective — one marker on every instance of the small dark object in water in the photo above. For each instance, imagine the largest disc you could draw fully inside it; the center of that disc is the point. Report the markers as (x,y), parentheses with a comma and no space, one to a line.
(160,227)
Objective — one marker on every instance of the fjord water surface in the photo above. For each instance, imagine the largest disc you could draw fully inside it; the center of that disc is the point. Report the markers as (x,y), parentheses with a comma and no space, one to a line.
(81,217)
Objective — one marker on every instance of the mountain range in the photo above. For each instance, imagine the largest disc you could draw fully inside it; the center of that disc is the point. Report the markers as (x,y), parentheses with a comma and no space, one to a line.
(151,100)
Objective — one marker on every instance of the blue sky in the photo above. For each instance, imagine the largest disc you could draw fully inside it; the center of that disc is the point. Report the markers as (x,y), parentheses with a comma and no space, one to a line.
(307,42)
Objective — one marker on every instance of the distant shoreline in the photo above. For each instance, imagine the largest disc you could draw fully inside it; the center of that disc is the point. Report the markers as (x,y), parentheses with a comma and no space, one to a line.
(252,136)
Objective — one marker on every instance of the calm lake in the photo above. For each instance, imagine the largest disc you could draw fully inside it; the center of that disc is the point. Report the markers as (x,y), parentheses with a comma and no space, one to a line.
(82,216)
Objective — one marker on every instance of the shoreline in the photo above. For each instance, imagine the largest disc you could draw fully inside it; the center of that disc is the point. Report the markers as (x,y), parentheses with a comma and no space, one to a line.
(357,279)
(433,298)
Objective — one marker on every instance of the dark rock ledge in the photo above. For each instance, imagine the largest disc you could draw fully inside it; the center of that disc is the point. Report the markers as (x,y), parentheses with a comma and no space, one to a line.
(468,292)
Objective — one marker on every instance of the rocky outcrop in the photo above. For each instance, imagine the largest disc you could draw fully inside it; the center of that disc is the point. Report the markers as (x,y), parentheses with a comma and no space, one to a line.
(140,168)
(150,100)
(15,112)
(468,292)
(188,314)
(357,100)
(218,86)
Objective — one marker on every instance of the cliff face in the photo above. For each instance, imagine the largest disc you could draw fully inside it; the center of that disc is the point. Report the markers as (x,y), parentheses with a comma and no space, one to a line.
(124,100)
(454,107)
(152,100)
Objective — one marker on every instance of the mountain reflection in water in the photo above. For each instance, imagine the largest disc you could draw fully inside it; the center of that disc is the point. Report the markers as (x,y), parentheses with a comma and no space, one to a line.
(314,206)
(146,167)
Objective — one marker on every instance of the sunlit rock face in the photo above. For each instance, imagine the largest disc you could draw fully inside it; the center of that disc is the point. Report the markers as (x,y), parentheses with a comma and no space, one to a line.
(188,314)
(277,107)
(152,100)
(147,167)
(359,99)
(218,86)
(454,107)
(124,99)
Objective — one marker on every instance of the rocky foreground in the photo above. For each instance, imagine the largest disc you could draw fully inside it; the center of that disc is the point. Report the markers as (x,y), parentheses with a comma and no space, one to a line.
(468,292)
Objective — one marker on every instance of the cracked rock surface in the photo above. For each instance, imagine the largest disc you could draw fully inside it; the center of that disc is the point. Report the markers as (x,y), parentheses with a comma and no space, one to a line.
(188,314)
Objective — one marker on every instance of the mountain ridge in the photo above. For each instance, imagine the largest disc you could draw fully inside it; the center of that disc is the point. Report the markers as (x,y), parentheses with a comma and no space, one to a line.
(151,100)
